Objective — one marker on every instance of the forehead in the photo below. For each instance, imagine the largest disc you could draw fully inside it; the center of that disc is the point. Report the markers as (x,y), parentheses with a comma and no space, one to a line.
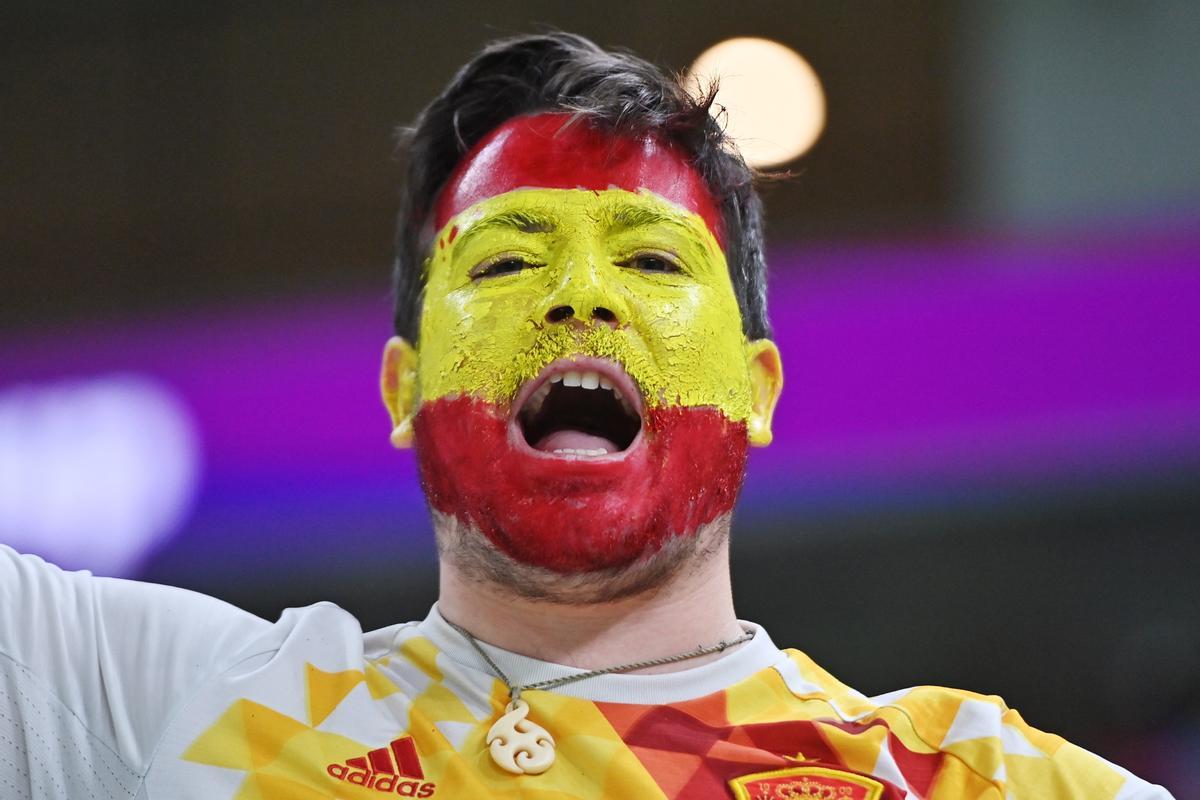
(556,151)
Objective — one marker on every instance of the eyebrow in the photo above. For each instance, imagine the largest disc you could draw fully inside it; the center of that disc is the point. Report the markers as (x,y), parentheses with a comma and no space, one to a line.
(628,217)
(520,221)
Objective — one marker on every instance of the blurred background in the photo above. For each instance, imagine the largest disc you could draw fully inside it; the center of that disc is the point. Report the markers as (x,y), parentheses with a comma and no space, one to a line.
(985,284)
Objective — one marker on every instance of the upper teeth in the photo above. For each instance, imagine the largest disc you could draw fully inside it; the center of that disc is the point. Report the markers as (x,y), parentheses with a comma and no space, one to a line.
(586,379)
(583,379)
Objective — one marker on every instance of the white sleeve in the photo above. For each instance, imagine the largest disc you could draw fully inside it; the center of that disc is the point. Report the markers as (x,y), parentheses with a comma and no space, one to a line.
(94,669)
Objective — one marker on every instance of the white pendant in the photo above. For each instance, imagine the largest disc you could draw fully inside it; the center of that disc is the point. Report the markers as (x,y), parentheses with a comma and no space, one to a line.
(518,745)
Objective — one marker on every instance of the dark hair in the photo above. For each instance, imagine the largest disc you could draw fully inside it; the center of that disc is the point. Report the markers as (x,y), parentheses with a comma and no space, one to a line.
(616,91)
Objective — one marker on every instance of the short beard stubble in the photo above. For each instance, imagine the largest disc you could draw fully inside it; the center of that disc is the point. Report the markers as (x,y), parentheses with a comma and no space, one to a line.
(469,551)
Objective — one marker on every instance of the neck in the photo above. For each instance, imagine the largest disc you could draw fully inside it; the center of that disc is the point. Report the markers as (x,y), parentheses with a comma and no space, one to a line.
(692,607)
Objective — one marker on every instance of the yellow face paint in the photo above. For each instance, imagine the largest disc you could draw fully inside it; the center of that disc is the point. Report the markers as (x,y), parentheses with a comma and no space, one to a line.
(500,267)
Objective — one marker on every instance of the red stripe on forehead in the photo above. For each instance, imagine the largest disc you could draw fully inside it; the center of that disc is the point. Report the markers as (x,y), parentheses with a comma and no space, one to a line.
(544,151)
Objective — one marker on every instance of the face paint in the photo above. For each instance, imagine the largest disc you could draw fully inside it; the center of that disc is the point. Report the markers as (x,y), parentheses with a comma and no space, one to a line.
(552,151)
(625,287)
(486,324)
(577,515)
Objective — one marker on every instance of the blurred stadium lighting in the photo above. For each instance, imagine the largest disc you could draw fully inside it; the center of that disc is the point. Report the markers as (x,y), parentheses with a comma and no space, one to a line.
(772,98)
(94,472)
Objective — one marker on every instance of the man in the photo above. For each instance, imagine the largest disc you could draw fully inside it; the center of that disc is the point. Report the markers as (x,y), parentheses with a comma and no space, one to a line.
(582,360)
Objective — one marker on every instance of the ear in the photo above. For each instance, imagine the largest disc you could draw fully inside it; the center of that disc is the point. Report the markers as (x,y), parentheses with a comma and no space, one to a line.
(398,382)
(766,382)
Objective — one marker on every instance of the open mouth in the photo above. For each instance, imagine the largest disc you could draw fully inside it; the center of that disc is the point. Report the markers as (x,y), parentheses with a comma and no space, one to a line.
(580,408)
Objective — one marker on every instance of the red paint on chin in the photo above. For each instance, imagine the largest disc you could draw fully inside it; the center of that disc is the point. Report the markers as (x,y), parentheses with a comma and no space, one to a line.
(543,151)
(578,516)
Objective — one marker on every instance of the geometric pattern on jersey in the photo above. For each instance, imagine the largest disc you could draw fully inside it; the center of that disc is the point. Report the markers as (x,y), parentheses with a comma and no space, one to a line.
(791,730)
(48,751)
(285,757)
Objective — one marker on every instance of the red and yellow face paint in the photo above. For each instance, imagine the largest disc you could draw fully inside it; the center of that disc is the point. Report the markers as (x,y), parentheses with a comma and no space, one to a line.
(563,252)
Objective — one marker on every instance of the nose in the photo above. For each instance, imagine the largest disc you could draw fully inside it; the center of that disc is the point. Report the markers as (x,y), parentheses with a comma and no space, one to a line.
(585,295)
(599,314)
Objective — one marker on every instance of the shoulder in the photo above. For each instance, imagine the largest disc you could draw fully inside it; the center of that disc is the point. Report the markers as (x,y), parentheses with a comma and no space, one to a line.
(983,734)
(976,738)
(964,723)
(322,632)
(315,666)
(319,639)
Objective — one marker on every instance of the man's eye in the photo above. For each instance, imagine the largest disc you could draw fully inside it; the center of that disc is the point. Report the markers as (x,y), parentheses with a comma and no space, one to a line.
(500,266)
(652,262)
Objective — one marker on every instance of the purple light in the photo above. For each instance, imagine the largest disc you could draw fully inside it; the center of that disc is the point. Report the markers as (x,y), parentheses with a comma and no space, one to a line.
(911,365)
(961,361)
(93,473)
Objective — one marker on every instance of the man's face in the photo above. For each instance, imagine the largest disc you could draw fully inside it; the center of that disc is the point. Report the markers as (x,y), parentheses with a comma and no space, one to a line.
(583,383)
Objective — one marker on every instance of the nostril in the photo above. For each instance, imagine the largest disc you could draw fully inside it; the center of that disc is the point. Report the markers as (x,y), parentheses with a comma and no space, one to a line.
(604,315)
(559,313)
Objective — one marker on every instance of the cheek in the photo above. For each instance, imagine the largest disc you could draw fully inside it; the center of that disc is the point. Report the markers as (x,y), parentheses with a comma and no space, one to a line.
(494,325)
(688,318)
(476,341)
(697,348)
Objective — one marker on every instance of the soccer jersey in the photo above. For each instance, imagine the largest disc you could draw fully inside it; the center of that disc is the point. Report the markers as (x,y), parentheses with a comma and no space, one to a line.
(115,689)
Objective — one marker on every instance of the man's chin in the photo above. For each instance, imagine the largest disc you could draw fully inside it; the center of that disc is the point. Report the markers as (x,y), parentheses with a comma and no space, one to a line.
(474,556)
(572,516)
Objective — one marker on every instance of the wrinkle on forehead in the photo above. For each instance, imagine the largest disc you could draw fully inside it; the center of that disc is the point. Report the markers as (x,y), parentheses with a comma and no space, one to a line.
(540,211)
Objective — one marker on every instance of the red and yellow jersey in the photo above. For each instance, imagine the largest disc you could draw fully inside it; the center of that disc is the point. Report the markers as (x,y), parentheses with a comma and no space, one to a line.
(412,720)
(129,690)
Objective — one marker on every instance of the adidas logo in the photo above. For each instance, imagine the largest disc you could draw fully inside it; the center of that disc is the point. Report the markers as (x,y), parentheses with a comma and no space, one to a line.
(395,768)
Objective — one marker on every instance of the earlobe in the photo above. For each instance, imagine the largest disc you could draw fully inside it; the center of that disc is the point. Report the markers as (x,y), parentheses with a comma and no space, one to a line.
(766,382)
(398,383)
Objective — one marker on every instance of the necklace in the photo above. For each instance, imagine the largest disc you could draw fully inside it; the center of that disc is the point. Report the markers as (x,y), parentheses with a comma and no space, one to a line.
(521,746)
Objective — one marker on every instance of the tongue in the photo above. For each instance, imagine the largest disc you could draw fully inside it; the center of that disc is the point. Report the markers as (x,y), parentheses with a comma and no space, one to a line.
(577,440)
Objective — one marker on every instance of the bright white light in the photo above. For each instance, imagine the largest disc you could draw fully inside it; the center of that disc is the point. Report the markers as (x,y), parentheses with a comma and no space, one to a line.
(93,473)
(774,102)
